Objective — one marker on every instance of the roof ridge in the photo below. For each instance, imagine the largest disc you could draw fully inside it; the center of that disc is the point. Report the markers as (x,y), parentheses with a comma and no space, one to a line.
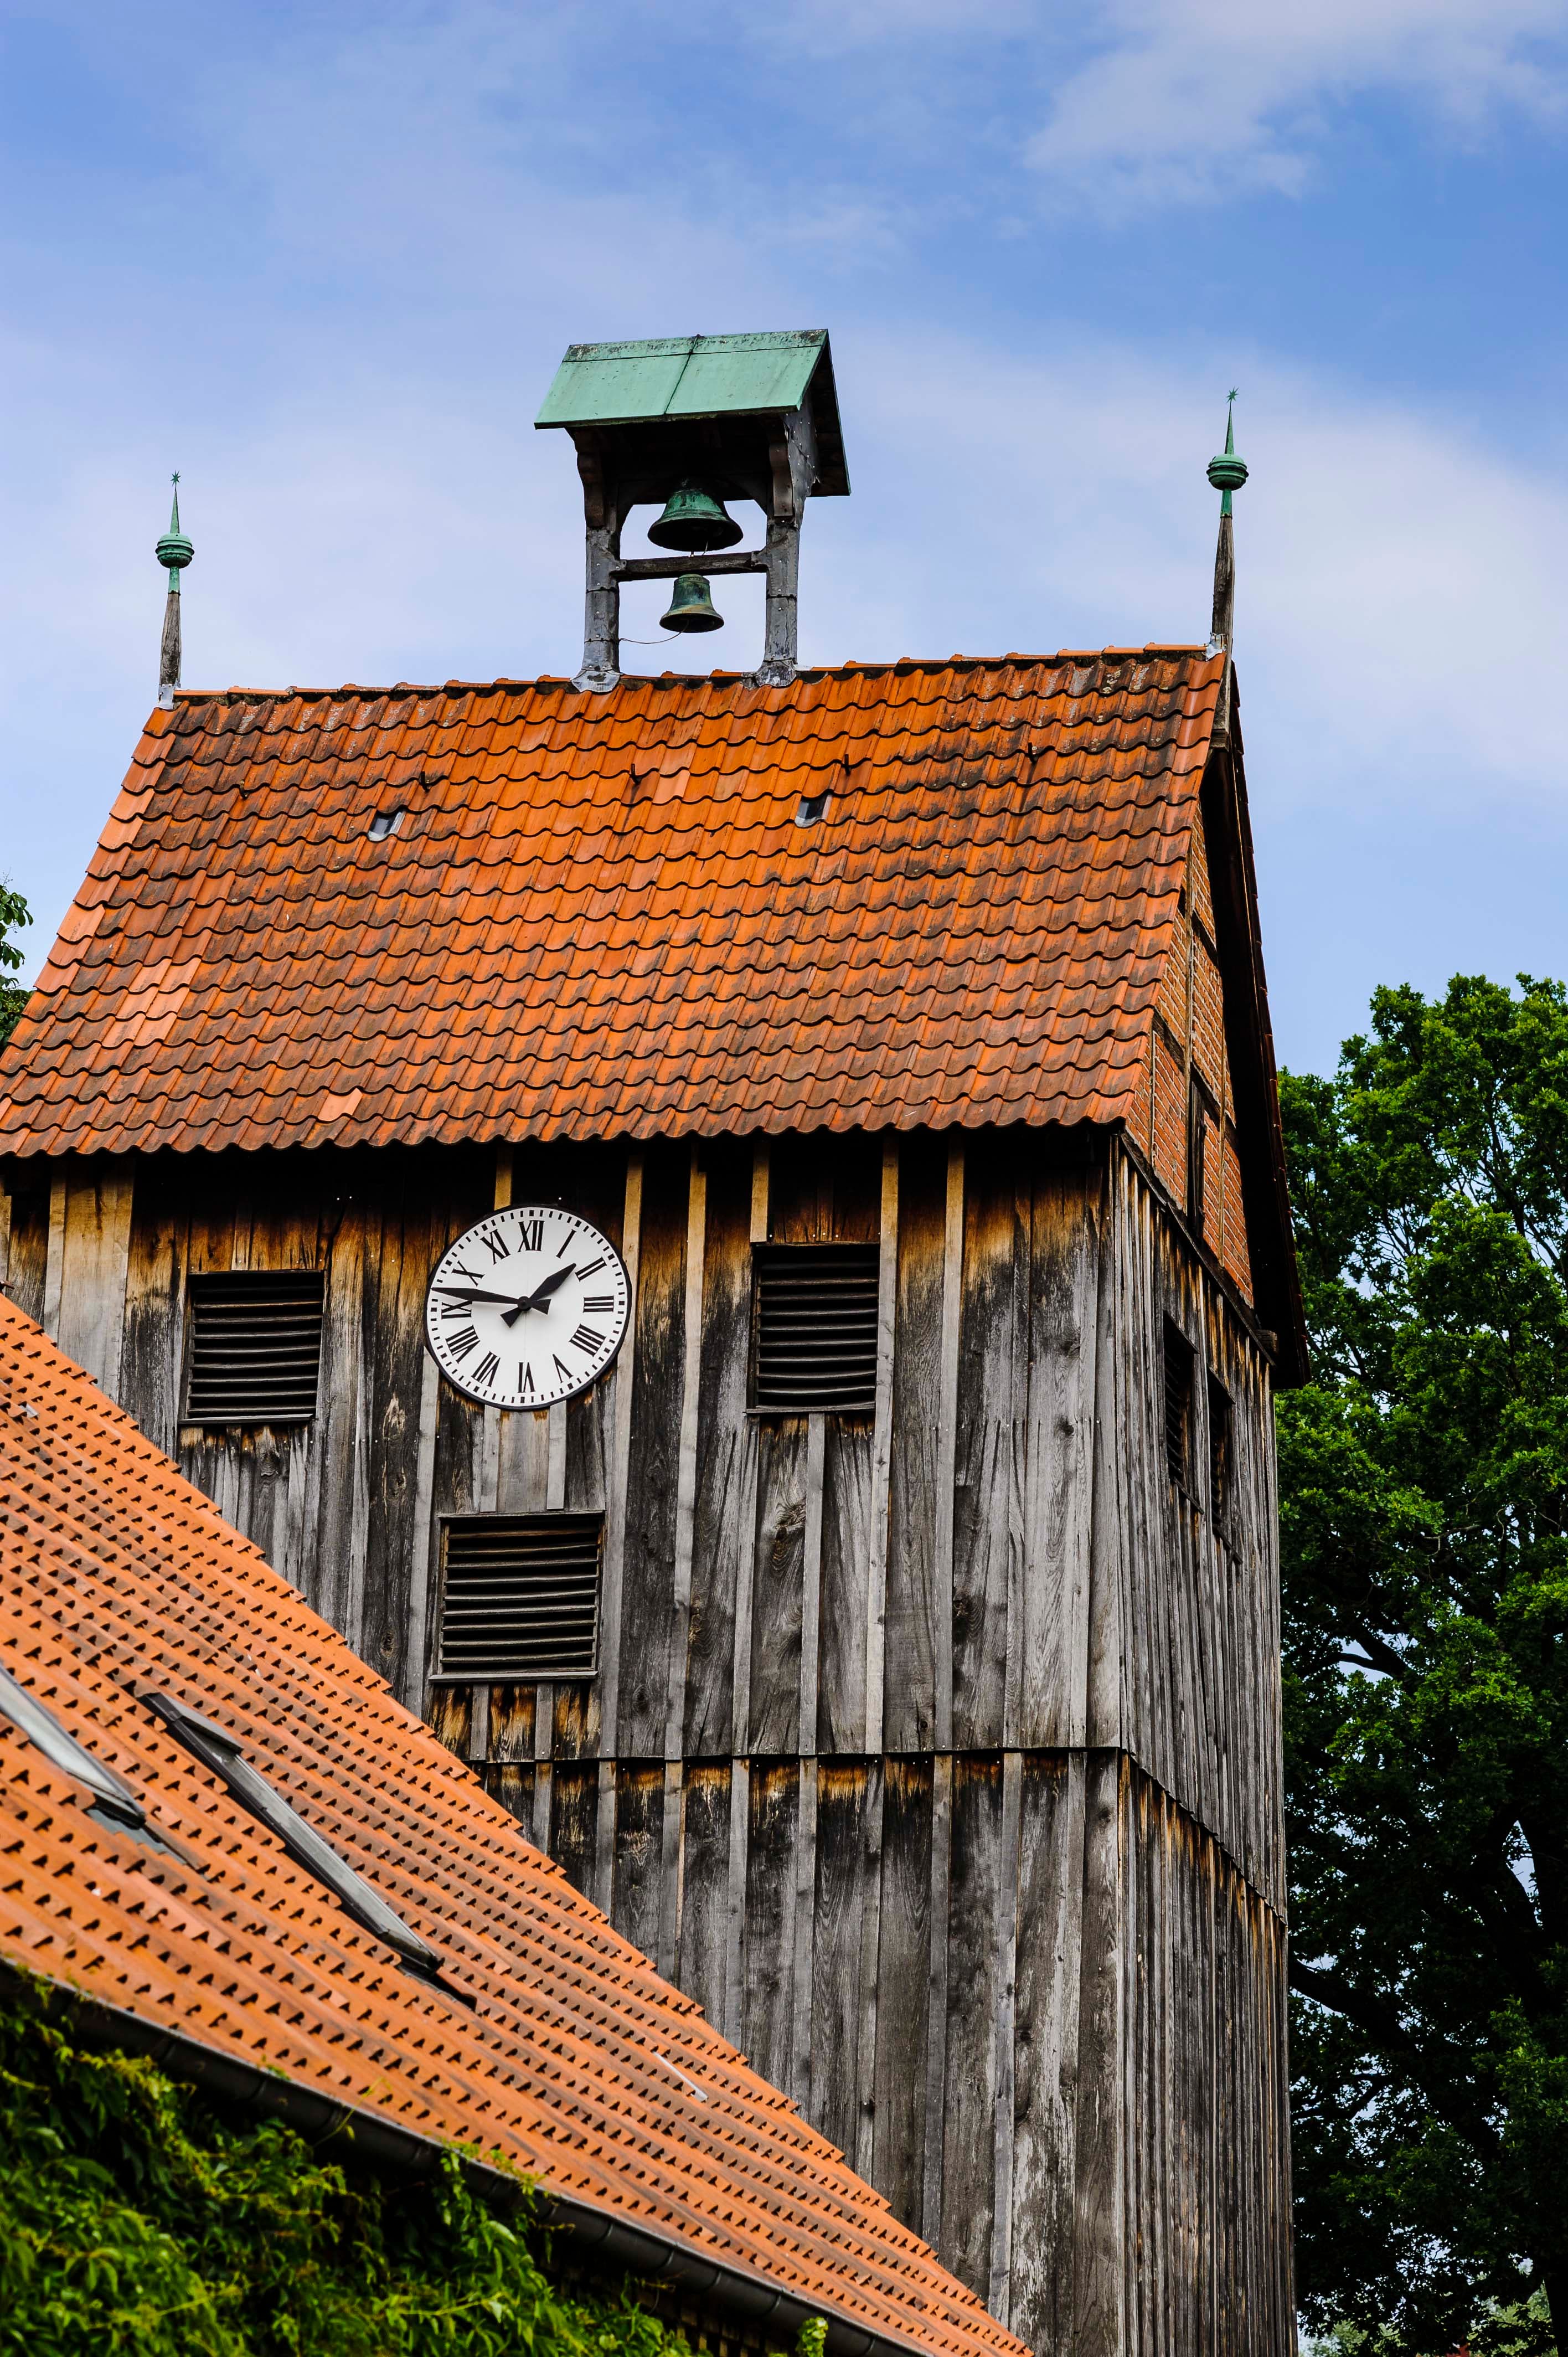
(852,667)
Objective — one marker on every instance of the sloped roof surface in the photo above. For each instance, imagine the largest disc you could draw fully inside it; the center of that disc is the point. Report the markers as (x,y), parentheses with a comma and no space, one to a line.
(579,2063)
(628,914)
(682,376)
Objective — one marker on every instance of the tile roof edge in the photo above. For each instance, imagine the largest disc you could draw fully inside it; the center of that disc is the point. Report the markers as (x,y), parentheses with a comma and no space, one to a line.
(850,667)
(352,1140)
(385,2143)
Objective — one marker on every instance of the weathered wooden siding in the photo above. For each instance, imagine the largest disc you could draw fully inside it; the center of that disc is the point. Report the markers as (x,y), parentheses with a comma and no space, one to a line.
(935,1750)
(1186,1645)
(1071,2078)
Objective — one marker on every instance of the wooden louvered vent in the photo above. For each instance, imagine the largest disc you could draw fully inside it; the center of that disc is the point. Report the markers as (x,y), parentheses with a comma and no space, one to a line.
(519,1597)
(254,1350)
(815,1329)
(1178,1405)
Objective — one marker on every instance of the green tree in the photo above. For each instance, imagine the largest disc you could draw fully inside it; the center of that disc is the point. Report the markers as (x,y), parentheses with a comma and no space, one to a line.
(14,911)
(1424,1504)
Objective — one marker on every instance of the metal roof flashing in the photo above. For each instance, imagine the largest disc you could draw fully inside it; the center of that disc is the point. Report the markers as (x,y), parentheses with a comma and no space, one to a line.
(685,378)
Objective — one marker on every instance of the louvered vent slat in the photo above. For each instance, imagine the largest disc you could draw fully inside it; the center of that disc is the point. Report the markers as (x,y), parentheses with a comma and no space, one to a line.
(816,1328)
(519,1597)
(254,1351)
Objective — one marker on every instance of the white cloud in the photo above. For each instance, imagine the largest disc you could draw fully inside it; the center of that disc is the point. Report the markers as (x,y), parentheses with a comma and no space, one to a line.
(1195,98)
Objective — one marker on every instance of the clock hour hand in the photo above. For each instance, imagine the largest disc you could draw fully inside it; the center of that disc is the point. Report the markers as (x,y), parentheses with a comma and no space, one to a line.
(536,1300)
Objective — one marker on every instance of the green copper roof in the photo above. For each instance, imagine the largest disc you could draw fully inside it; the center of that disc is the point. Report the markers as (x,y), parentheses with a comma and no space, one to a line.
(682,376)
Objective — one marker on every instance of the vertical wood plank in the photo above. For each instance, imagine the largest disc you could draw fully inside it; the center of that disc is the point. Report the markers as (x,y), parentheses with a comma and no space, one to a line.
(934,2156)
(702,1962)
(761,1160)
(800,2084)
(648,1567)
(1040,2293)
(686,1465)
(90,1314)
(846,1553)
(54,1274)
(27,1268)
(555,1459)
(882,1451)
(150,1363)
(770,1898)
(947,1443)
(425,1540)
(723,1520)
(1100,2194)
(395,1561)
(909,1709)
(734,2021)
(573,1821)
(903,1976)
(671,1868)
(1050,1638)
(812,1582)
(639,1853)
(615,1501)
(991,1443)
(833,2032)
(340,1443)
(1003,2126)
(973,1992)
(861,2149)
(777,1585)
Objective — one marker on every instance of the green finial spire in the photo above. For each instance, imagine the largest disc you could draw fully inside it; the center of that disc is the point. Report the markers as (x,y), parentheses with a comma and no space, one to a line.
(174,549)
(1228,473)
(173,552)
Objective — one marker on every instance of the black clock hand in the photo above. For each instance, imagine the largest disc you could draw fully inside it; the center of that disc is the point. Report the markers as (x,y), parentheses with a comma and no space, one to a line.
(468,1293)
(537,1300)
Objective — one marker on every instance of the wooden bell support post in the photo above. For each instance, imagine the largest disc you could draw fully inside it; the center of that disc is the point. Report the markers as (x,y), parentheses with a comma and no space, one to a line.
(747,417)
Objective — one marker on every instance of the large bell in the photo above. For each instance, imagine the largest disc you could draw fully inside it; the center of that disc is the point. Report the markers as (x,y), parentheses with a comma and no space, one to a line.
(694,519)
(692,606)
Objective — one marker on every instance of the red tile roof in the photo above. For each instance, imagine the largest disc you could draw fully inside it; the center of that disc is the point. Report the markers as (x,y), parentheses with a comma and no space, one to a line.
(579,2063)
(604,915)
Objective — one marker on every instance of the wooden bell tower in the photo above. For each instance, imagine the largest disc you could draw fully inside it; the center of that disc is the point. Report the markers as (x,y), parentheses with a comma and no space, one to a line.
(887,1638)
(749,418)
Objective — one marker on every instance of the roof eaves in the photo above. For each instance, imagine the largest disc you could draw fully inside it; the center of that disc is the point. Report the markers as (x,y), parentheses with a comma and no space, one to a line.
(383,2145)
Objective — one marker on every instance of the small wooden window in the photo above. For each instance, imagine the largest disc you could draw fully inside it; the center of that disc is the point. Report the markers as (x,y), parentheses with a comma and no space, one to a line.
(814,1328)
(1202,1117)
(254,1352)
(1221,1424)
(1178,1370)
(519,1597)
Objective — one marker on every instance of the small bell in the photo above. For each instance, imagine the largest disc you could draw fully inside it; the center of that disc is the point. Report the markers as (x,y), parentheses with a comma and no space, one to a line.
(692,606)
(694,519)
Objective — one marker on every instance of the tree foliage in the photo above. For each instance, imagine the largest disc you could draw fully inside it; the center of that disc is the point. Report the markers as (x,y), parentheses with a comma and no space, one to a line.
(135,2223)
(1424,1507)
(13,913)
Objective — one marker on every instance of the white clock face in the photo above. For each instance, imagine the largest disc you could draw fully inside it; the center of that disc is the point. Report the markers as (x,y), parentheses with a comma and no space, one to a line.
(527,1308)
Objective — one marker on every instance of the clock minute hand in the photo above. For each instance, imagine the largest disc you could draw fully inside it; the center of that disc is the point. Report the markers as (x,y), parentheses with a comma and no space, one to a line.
(536,1300)
(471,1292)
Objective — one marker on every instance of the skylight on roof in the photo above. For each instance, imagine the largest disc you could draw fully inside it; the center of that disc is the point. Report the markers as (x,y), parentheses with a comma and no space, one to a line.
(222,1753)
(113,1799)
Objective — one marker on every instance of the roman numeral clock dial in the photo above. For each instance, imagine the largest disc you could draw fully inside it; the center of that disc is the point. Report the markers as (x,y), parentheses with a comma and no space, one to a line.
(530,1306)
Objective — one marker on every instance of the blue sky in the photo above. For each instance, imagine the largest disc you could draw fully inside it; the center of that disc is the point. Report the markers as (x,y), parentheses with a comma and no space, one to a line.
(324,259)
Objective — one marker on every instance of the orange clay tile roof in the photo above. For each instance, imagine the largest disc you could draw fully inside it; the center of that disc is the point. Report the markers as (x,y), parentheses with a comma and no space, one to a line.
(620,915)
(579,2064)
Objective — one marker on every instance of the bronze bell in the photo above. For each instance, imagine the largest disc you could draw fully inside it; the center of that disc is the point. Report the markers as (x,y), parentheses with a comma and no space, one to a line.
(694,519)
(692,606)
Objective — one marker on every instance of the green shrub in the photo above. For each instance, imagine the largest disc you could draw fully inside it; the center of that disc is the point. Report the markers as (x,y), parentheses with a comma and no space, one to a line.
(134,2219)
